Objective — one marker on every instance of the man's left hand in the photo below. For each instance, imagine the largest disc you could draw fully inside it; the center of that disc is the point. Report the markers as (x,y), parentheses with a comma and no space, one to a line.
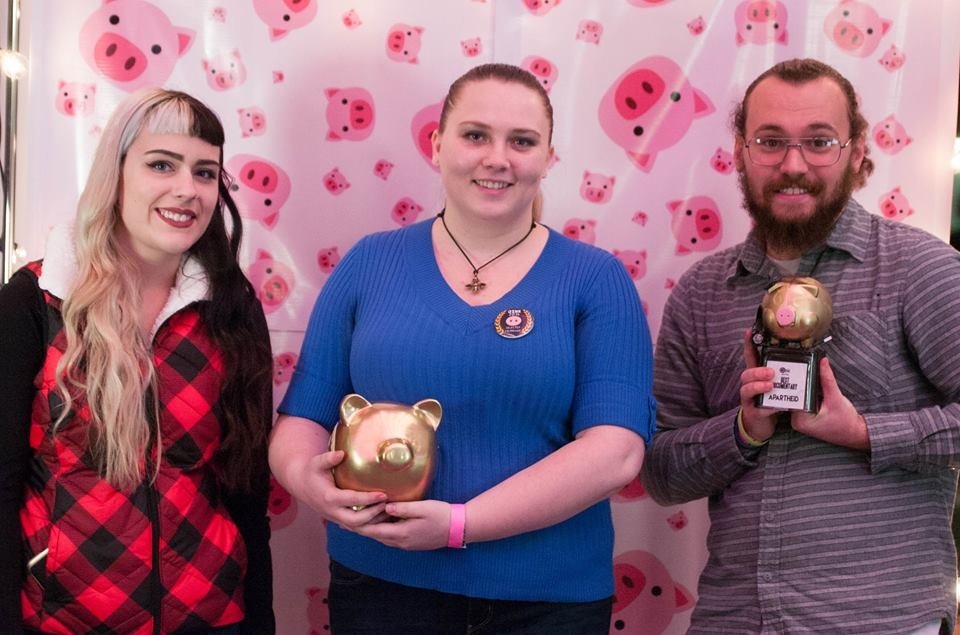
(837,421)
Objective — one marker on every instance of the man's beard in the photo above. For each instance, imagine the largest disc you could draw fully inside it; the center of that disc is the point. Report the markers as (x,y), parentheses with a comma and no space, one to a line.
(795,234)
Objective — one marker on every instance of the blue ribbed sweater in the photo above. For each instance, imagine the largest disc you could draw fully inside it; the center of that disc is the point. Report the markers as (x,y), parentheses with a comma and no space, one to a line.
(387,326)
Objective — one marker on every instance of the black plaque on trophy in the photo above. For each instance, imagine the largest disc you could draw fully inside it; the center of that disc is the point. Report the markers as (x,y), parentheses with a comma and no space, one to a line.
(792,321)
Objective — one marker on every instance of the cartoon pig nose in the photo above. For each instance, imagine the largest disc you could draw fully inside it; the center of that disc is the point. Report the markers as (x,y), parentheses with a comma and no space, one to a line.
(296,5)
(396,40)
(785,316)
(847,36)
(360,116)
(762,12)
(275,290)
(637,93)
(119,58)
(395,454)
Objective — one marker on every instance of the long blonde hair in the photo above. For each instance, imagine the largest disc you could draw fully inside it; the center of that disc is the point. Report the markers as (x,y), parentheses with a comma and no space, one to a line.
(107,358)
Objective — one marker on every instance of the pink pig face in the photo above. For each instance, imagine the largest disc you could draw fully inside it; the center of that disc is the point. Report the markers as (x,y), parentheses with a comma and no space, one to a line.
(856,27)
(279,500)
(422,126)
(761,21)
(225,70)
(696,26)
(581,229)
(722,161)
(328,258)
(634,261)
(281,507)
(283,365)
(335,182)
(696,224)
(382,169)
(895,205)
(283,16)
(633,490)
(648,3)
(893,58)
(541,68)
(351,19)
(318,610)
(260,188)
(350,113)
(596,188)
(405,211)
(890,135)
(403,43)
(132,44)
(76,98)
(253,121)
(272,280)
(589,31)
(677,521)
(471,47)
(649,108)
(540,7)
(646,595)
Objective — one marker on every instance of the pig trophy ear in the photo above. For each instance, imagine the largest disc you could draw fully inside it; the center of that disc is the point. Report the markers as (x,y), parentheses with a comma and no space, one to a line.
(431,407)
(350,405)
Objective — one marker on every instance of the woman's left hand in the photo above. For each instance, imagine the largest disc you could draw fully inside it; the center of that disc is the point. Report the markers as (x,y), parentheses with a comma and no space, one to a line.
(414,526)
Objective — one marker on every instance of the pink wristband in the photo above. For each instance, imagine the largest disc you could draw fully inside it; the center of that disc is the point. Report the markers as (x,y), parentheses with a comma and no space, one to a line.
(456,538)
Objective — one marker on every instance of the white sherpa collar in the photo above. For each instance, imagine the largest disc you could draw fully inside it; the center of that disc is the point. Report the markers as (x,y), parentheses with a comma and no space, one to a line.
(60,269)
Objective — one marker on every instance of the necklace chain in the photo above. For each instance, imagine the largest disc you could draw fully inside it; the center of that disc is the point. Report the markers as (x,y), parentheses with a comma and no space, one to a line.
(476,285)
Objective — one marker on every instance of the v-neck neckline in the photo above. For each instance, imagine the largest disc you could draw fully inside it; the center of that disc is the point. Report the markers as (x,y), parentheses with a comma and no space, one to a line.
(429,283)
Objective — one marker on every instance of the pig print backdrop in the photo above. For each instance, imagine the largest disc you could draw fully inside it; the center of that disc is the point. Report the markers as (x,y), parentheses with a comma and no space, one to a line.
(329,106)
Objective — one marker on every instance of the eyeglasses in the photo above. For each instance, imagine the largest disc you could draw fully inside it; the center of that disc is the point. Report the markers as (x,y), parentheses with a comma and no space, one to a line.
(818,152)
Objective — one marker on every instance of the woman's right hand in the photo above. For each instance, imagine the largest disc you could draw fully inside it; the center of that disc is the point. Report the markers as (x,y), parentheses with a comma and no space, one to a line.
(301,461)
(350,509)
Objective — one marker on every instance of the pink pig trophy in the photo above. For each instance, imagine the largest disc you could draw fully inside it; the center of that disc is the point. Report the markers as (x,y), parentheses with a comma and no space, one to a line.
(792,322)
(387,447)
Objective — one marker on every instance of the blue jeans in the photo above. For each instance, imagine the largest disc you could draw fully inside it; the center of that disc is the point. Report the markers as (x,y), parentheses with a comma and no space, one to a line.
(363,604)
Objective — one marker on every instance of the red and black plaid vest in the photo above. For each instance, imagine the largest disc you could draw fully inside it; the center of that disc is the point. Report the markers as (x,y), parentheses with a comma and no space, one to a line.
(163,558)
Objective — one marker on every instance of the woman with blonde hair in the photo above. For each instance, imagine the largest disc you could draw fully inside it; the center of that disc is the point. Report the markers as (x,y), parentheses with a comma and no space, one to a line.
(136,364)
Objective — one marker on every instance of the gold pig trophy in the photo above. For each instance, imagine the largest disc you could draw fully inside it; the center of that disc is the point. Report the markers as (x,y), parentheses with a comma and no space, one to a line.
(387,447)
(791,324)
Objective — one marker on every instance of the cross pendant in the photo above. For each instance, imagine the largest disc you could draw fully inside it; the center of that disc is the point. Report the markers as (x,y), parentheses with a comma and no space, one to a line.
(476,285)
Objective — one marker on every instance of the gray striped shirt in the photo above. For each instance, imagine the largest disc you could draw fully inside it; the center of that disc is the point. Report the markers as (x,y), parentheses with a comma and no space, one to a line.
(808,537)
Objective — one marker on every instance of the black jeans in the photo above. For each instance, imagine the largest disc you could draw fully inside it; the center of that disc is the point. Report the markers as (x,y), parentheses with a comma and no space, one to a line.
(361,604)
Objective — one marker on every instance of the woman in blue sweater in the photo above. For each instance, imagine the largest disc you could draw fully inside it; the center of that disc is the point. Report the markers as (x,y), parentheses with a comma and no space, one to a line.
(538,350)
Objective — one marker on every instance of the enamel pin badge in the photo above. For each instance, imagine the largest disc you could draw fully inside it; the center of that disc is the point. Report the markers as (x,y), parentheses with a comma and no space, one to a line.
(513,323)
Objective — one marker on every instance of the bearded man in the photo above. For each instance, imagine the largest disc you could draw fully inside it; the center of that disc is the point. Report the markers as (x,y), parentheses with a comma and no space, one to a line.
(839,520)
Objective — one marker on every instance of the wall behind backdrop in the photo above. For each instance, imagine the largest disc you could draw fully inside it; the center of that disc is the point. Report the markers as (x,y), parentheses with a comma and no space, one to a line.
(329,106)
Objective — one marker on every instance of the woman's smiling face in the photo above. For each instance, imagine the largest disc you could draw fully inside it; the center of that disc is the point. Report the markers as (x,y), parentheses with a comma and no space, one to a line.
(494,149)
(168,194)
